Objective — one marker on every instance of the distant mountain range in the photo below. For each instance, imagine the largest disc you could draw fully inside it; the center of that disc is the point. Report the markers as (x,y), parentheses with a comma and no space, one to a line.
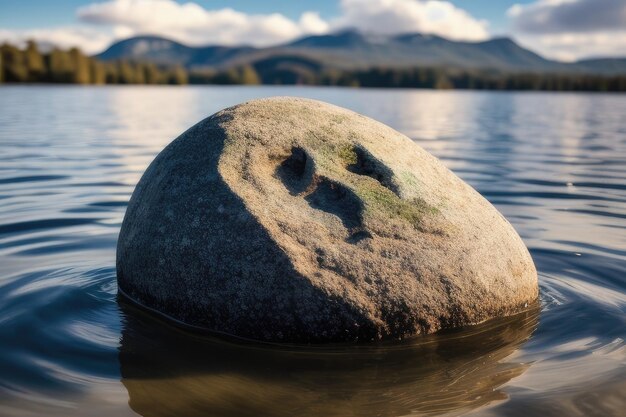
(350,50)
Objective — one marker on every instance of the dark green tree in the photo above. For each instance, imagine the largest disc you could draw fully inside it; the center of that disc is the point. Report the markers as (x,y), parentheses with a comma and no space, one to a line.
(60,67)
(34,62)
(151,74)
(13,64)
(248,75)
(177,75)
(81,71)
(97,72)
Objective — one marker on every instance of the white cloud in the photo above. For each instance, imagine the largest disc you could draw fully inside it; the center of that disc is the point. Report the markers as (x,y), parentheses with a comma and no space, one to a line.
(575,46)
(311,22)
(405,16)
(560,16)
(193,24)
(571,29)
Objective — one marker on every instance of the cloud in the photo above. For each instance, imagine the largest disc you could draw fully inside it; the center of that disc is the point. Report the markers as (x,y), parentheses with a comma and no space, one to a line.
(193,24)
(563,16)
(405,16)
(575,46)
(311,22)
(571,29)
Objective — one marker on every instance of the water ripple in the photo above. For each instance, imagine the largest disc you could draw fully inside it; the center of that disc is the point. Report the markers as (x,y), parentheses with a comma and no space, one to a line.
(553,164)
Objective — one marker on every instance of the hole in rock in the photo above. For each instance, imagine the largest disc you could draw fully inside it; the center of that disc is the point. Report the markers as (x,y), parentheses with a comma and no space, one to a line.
(296,171)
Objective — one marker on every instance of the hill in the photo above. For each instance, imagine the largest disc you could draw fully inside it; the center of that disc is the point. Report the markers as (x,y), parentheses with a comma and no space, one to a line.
(351,50)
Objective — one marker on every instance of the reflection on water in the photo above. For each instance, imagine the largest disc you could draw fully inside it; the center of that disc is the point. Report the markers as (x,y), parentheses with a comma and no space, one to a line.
(168,372)
(553,164)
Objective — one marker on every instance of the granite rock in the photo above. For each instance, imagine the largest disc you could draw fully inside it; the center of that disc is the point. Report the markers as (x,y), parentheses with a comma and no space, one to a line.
(292,220)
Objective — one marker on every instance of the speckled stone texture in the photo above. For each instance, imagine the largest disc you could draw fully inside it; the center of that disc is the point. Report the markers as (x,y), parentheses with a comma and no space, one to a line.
(292,220)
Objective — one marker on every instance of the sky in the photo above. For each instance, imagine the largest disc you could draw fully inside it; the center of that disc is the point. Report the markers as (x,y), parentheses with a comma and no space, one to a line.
(559,29)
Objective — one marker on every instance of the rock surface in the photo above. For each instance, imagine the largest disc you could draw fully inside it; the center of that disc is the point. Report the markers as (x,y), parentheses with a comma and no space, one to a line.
(293,220)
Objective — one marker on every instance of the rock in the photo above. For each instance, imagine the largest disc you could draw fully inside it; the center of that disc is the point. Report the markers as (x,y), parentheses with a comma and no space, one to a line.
(292,220)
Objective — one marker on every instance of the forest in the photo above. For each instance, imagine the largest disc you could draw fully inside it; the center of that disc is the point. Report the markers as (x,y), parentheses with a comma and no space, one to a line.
(30,65)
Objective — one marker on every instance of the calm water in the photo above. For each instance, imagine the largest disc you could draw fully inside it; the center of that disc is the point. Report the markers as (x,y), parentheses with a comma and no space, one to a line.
(555,165)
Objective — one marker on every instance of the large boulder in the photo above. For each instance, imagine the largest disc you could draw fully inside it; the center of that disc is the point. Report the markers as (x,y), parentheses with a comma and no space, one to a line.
(292,220)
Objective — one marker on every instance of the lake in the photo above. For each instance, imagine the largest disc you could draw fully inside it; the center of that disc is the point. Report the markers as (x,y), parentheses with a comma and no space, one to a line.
(553,164)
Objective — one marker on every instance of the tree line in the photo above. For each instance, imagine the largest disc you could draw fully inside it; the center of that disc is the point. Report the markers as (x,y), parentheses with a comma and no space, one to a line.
(71,66)
(441,78)
(30,65)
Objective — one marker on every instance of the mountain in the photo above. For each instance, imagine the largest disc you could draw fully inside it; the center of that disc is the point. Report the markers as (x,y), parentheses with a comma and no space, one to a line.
(354,50)
(168,52)
(347,39)
(604,65)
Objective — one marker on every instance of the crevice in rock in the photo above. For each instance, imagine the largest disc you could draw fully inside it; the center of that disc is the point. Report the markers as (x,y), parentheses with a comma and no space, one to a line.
(336,199)
(366,164)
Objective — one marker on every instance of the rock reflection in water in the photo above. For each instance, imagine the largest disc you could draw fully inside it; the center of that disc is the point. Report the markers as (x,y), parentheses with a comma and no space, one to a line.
(170,372)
